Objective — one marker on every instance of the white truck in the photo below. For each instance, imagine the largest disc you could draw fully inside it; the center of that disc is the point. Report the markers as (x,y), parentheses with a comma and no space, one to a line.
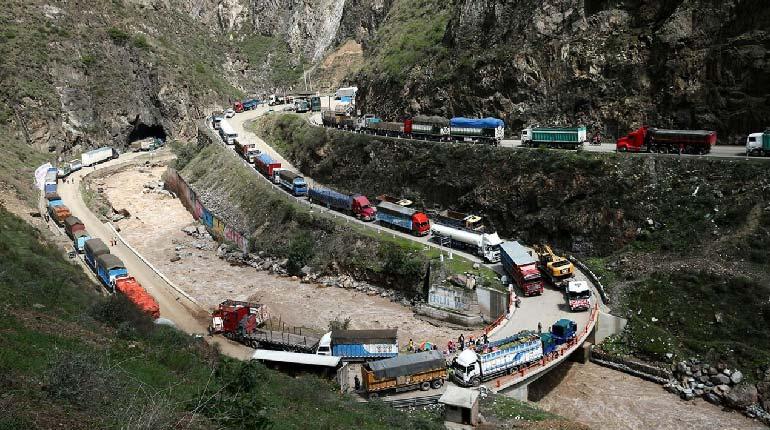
(227,133)
(470,368)
(578,296)
(97,156)
(485,245)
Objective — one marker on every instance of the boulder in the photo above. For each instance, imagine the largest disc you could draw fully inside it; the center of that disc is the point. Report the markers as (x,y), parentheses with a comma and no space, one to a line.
(764,389)
(712,398)
(736,377)
(306,271)
(723,389)
(742,396)
(175,258)
(720,379)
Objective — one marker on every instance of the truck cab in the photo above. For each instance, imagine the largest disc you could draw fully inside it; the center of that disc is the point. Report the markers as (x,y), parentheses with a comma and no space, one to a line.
(420,224)
(563,331)
(758,144)
(362,208)
(325,345)
(636,141)
(578,296)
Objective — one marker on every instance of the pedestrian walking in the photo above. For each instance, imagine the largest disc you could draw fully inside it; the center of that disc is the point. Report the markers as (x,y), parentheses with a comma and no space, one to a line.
(486,338)
(357,383)
(539,328)
(410,346)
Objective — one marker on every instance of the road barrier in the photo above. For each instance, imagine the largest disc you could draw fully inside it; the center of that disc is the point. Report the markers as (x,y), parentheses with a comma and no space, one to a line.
(595,279)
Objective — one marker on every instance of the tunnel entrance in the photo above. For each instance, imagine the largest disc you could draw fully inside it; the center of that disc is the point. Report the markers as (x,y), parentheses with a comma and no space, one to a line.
(143,131)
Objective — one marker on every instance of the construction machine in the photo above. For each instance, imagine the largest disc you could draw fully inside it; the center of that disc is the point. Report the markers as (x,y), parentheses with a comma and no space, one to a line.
(556,268)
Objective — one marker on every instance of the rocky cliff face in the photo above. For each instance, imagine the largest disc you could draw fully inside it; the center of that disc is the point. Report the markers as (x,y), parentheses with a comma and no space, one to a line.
(608,64)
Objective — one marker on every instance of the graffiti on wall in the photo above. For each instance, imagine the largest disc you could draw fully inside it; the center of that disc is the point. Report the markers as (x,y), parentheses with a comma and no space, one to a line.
(216,226)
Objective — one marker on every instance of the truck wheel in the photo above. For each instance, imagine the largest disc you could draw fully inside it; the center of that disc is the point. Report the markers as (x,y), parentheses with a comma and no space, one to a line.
(425,386)
(437,384)
(476,381)
(374,396)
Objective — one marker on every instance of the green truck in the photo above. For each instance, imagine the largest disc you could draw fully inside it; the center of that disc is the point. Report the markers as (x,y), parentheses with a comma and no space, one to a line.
(554,137)
(758,144)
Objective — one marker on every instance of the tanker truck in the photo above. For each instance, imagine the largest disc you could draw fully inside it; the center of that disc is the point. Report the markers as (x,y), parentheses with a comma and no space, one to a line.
(647,139)
(483,244)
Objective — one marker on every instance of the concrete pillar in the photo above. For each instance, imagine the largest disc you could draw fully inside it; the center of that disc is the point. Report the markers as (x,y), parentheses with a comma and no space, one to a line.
(519,393)
(607,326)
(582,354)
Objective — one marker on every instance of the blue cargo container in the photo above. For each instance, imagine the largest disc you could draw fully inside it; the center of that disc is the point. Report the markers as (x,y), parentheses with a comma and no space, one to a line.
(330,198)
(92,249)
(54,203)
(360,345)
(79,242)
(108,268)
(49,188)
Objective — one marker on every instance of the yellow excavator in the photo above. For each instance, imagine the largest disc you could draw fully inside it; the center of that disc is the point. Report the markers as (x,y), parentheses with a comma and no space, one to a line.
(555,267)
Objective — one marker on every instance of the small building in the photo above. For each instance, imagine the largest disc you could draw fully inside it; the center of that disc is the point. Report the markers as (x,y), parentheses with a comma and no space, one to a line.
(461,405)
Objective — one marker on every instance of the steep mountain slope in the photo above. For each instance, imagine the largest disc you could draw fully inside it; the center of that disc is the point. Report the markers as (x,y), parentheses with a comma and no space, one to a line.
(607,64)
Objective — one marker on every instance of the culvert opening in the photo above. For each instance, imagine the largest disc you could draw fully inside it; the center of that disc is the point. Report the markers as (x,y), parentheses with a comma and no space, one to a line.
(143,131)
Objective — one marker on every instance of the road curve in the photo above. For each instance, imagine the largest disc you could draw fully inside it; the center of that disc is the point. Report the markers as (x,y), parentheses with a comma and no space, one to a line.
(186,314)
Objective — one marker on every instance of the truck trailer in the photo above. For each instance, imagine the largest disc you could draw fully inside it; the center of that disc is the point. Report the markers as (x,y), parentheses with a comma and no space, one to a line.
(72,225)
(359,345)
(292,182)
(266,165)
(554,137)
(403,218)
(92,249)
(758,144)
(355,204)
(108,268)
(647,139)
(484,245)
(470,368)
(97,156)
(136,294)
(521,266)
(423,370)
(484,130)
(59,214)
(227,133)
(459,220)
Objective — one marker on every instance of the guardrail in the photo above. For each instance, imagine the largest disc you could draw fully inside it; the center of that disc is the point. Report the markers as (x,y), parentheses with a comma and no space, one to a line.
(592,277)
(546,362)
(413,402)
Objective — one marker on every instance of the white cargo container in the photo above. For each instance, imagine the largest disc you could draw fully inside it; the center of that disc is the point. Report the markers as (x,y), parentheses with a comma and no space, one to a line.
(97,156)
(227,133)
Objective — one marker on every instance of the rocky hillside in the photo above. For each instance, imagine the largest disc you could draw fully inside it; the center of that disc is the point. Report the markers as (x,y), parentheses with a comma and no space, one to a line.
(607,64)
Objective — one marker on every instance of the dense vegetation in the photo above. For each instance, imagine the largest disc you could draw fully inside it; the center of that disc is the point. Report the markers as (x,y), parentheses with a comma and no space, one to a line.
(70,358)
(676,240)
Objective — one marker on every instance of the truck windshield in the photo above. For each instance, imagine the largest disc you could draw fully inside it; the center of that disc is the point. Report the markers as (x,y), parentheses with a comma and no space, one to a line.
(561,263)
(457,366)
(579,294)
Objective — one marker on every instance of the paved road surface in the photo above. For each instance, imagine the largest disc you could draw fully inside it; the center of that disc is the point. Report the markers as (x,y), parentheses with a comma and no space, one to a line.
(187,316)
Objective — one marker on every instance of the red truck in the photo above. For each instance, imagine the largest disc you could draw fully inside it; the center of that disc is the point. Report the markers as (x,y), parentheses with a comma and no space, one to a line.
(521,265)
(72,225)
(133,290)
(647,139)
(236,319)
(238,107)
(266,165)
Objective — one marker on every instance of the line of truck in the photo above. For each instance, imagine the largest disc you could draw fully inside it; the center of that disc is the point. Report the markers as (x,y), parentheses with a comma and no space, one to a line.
(108,268)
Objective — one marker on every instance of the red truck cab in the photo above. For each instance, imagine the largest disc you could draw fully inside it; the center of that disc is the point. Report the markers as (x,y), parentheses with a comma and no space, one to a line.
(633,142)
(363,208)
(420,224)
(531,281)
(238,107)
(236,317)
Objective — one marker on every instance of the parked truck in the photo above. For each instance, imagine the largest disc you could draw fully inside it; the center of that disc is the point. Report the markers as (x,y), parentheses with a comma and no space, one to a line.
(72,225)
(521,265)
(423,370)
(470,368)
(557,269)
(97,156)
(227,133)
(292,182)
(554,137)
(563,331)
(233,317)
(359,345)
(79,240)
(247,151)
(136,294)
(315,104)
(758,144)
(59,214)
(647,139)
(353,204)
(484,245)
(400,217)
(92,249)
(108,268)
(459,220)
(484,130)
(266,165)
(578,296)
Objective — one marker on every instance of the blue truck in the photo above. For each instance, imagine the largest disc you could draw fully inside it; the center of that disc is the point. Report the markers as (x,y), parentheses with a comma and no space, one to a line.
(109,268)
(79,240)
(359,345)
(563,331)
(355,204)
(403,218)
(292,182)
(92,249)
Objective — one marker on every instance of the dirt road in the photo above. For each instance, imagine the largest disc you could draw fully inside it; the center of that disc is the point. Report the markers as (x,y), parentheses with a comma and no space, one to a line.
(606,399)
(186,315)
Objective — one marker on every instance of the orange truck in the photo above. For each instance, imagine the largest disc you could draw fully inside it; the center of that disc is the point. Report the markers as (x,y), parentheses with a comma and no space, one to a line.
(133,290)
(423,370)
(59,214)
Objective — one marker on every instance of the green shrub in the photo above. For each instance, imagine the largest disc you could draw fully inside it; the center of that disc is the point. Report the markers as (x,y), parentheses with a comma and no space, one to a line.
(301,251)
(140,41)
(120,37)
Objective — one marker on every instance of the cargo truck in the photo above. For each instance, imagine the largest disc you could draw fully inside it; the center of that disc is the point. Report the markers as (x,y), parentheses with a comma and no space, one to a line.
(72,224)
(647,139)
(247,151)
(458,220)
(394,200)
(563,331)
(59,214)
(227,133)
(554,137)
(97,156)
(521,266)
(250,104)
(578,296)
(237,317)
(359,345)
(266,165)
(301,106)
(400,217)
(136,294)
(484,245)
(427,127)
(79,240)
(92,249)
(292,182)
(484,130)
(423,370)
(108,268)
(315,104)
(354,204)
(506,356)
(758,144)
(50,188)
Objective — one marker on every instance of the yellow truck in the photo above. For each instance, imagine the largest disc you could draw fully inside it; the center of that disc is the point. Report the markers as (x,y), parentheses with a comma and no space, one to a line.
(423,370)
(556,268)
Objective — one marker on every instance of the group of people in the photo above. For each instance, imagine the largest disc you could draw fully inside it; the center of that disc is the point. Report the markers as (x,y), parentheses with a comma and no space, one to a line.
(477,343)
(425,346)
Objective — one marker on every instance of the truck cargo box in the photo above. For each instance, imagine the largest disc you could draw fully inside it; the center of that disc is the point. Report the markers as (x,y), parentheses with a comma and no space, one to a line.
(108,268)
(266,165)
(97,156)
(52,196)
(407,364)
(476,122)
(93,248)
(73,224)
(364,344)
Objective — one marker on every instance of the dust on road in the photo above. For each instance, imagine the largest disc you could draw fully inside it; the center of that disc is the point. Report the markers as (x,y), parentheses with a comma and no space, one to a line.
(154,229)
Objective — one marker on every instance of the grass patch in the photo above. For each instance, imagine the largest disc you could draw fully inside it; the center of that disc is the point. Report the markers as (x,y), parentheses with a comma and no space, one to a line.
(507,408)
